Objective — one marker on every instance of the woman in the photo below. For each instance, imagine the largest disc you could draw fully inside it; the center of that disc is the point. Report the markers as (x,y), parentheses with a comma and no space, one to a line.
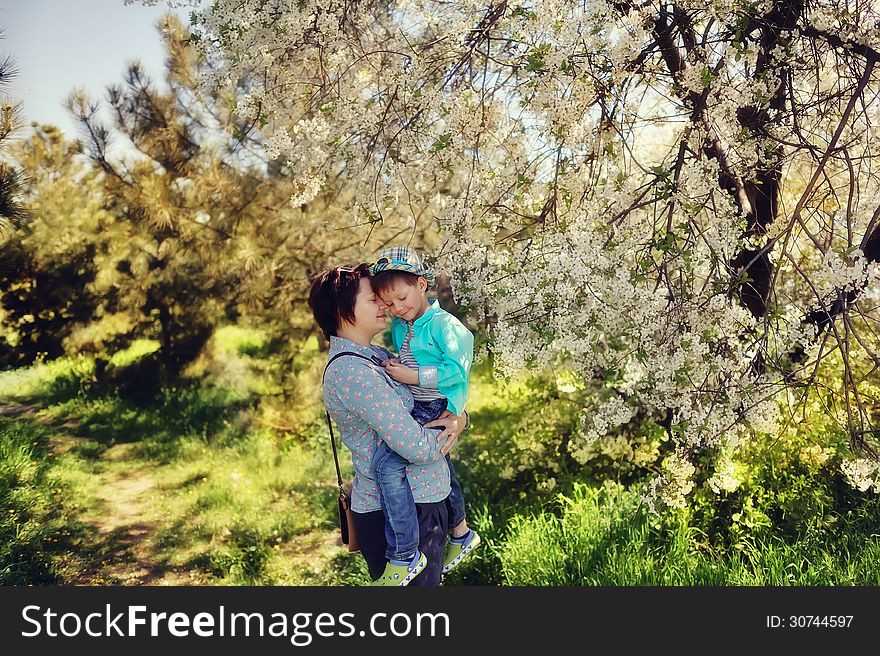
(368,406)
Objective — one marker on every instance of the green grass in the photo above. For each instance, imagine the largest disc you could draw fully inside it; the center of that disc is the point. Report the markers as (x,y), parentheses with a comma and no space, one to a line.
(599,536)
(59,378)
(231,500)
(236,498)
(138,349)
(32,524)
(245,511)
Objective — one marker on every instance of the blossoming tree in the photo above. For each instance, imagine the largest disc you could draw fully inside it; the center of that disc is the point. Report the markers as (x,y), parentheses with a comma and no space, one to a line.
(678,198)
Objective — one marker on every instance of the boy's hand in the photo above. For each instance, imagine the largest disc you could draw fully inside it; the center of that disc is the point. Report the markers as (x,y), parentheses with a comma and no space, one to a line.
(401,373)
(385,363)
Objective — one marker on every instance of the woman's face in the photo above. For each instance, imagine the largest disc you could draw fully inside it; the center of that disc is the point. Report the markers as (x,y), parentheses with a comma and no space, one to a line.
(369,310)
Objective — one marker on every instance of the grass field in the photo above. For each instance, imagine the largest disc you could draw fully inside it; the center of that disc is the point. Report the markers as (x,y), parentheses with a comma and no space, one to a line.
(199,487)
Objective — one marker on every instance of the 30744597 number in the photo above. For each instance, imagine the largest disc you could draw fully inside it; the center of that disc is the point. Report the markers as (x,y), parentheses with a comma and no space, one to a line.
(809,621)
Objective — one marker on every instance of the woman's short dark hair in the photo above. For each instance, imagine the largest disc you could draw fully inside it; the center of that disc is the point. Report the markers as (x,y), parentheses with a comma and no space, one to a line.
(333,296)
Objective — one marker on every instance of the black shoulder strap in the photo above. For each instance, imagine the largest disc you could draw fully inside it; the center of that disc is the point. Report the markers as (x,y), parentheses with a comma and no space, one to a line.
(329,424)
(344,353)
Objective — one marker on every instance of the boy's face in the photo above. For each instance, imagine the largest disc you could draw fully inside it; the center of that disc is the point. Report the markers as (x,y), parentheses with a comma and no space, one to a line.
(404,300)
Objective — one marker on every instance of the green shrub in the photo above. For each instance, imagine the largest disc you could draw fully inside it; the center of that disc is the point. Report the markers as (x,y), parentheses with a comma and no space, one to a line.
(244,557)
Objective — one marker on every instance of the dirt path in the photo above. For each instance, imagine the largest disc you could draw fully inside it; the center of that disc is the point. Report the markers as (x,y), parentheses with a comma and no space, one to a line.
(119,510)
(121,549)
(126,528)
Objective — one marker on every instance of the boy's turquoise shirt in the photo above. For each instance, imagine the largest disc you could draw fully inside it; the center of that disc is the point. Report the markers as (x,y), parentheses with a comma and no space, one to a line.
(444,349)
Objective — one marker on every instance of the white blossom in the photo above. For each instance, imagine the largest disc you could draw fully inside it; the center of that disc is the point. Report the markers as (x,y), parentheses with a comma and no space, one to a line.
(584,205)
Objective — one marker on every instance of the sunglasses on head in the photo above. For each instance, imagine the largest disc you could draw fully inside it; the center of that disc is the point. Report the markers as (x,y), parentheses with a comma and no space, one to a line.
(337,273)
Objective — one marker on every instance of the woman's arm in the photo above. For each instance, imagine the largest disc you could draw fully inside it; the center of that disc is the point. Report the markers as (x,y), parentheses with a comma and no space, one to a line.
(366,394)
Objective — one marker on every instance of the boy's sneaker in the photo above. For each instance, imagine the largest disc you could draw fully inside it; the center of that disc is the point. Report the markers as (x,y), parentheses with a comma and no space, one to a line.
(456,550)
(398,573)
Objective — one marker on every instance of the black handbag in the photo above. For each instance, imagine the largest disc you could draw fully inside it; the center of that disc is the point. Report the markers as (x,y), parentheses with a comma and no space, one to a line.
(346,523)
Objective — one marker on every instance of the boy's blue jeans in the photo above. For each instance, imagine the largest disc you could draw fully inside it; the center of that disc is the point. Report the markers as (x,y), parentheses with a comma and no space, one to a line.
(401,524)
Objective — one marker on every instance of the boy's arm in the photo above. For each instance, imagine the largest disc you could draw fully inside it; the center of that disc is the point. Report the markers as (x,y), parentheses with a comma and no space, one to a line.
(457,344)
(366,394)
(398,333)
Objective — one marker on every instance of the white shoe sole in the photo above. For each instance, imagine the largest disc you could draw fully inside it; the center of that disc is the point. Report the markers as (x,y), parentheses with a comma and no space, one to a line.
(416,570)
(473,544)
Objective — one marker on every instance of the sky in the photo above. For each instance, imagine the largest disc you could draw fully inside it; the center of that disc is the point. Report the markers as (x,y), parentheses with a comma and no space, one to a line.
(58,45)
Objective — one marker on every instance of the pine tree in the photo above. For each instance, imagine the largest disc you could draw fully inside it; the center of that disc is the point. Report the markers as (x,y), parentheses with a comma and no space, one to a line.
(12,214)
(49,263)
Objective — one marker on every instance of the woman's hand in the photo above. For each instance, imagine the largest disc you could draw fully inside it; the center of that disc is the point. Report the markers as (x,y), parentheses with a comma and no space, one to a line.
(452,426)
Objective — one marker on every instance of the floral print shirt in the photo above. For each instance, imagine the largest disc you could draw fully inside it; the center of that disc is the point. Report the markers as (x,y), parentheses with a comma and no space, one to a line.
(369,406)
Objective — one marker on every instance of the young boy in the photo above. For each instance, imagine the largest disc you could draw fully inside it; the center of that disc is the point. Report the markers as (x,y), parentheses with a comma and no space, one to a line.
(435,352)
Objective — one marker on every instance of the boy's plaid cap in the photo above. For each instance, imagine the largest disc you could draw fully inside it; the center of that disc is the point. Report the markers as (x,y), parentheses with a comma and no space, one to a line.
(402,258)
